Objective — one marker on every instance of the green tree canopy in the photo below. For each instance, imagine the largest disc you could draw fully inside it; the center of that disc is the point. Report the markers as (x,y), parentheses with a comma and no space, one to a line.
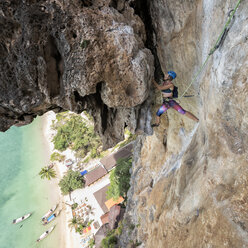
(119,179)
(55,156)
(47,172)
(71,181)
(73,132)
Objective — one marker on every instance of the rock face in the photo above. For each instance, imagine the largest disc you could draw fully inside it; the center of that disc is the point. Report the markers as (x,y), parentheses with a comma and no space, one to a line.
(192,192)
(76,55)
(189,181)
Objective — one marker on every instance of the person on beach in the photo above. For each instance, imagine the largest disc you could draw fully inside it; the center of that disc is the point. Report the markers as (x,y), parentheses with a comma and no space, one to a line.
(167,92)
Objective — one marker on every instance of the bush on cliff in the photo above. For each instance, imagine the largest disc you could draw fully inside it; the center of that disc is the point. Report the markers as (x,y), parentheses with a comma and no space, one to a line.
(110,240)
(119,179)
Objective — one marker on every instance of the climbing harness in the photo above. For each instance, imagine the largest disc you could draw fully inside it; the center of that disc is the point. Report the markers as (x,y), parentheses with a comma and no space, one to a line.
(215,47)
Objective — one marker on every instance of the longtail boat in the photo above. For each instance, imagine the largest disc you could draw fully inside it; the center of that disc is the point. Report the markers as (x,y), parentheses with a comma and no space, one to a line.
(51,218)
(45,234)
(18,220)
(49,212)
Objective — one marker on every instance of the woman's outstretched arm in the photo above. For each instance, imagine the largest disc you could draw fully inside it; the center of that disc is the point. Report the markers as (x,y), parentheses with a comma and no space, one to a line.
(162,87)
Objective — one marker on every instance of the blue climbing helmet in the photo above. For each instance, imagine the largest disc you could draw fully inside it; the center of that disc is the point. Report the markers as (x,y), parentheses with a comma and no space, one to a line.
(172,74)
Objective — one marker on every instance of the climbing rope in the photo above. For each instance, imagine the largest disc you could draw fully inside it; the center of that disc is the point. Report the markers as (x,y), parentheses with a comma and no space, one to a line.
(216,46)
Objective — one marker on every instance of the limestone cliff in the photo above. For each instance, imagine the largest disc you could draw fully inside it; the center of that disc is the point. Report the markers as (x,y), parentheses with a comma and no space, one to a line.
(73,55)
(192,192)
(189,181)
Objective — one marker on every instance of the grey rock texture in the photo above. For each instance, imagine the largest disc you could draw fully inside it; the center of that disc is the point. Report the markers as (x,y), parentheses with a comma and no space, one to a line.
(192,192)
(76,55)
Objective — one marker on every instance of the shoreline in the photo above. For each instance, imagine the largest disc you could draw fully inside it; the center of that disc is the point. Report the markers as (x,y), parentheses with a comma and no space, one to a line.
(84,197)
(66,237)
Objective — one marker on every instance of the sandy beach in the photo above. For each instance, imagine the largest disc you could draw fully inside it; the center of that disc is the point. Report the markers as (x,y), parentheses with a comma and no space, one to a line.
(67,238)
(90,207)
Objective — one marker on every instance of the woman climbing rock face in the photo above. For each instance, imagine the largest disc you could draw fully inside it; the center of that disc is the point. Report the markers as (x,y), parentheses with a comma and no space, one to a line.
(167,91)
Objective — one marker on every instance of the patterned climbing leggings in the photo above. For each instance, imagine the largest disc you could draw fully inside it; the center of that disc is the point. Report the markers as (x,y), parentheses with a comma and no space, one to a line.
(170,104)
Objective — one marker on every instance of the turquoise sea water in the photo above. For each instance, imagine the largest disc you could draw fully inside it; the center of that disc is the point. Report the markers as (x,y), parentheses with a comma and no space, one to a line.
(22,190)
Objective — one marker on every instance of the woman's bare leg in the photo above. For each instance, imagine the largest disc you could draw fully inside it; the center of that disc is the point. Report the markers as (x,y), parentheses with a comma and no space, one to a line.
(156,124)
(191,116)
(157,120)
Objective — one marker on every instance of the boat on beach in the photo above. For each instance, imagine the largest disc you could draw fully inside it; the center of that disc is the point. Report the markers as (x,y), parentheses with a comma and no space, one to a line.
(18,220)
(45,234)
(49,212)
(51,218)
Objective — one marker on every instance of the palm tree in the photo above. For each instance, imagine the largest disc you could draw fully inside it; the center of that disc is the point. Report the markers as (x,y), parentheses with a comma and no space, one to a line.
(47,172)
(73,222)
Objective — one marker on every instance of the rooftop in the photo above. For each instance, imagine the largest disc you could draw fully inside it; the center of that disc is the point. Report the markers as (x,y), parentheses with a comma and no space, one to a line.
(104,218)
(110,161)
(111,202)
(94,175)
(100,196)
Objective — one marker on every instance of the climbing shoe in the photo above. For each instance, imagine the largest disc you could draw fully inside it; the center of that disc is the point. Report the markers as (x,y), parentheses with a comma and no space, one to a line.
(155,125)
